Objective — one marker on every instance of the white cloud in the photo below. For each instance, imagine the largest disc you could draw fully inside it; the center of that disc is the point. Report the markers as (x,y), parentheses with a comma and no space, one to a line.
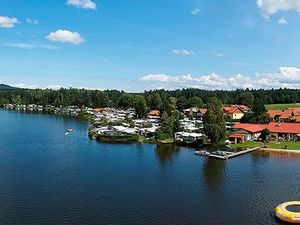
(219,54)
(53,87)
(27,86)
(32,21)
(8,22)
(84,4)
(270,7)
(288,77)
(28,46)
(182,52)
(195,11)
(65,36)
(282,21)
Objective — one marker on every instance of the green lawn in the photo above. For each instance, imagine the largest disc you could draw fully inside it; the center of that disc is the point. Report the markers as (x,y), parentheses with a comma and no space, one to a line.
(283,106)
(273,144)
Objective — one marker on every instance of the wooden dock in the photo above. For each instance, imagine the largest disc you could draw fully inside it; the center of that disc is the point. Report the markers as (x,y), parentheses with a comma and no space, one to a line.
(234,154)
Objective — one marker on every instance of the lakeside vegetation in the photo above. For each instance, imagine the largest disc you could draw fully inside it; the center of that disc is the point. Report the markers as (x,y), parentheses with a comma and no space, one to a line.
(154,99)
(170,104)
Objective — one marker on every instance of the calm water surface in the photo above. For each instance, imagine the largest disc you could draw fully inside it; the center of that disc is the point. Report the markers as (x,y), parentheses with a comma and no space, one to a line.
(49,178)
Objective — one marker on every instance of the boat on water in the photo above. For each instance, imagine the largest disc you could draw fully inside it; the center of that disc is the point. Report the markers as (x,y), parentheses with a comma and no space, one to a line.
(202,153)
(69,131)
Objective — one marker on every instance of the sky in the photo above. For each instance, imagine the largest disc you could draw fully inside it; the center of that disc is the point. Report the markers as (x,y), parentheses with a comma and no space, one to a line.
(136,45)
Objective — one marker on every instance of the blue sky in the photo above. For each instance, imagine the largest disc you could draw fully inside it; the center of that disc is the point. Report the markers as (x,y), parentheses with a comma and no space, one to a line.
(136,45)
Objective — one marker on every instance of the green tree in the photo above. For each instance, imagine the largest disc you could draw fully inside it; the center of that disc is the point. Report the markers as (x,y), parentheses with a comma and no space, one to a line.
(246,98)
(214,122)
(166,127)
(3,101)
(140,106)
(126,101)
(17,100)
(181,103)
(154,101)
(176,122)
(172,103)
(258,114)
(265,133)
(195,102)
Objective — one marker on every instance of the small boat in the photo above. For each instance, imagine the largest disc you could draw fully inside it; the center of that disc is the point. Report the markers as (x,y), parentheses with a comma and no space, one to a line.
(69,131)
(201,152)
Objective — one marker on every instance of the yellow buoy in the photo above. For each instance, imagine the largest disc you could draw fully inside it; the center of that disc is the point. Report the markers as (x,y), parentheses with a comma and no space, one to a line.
(285,213)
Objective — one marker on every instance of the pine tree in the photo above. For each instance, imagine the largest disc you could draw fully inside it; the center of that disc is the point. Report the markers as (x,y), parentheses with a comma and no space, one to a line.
(214,122)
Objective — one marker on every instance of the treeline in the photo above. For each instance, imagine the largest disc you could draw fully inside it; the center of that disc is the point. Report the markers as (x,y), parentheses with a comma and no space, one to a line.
(157,99)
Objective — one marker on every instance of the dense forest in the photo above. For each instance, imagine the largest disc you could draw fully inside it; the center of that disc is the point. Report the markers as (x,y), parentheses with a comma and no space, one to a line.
(156,99)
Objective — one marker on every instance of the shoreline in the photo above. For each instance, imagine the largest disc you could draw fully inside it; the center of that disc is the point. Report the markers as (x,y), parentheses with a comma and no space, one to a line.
(280,150)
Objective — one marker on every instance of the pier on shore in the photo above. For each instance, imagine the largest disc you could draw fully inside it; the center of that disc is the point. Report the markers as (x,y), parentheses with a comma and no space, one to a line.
(230,155)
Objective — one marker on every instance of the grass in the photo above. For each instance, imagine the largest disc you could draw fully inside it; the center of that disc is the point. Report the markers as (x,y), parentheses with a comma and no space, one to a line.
(283,106)
(273,144)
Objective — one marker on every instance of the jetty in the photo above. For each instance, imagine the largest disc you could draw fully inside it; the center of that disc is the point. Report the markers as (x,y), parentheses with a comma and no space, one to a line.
(229,155)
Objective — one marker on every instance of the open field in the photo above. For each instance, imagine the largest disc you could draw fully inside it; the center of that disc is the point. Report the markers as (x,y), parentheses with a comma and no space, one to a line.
(275,145)
(283,106)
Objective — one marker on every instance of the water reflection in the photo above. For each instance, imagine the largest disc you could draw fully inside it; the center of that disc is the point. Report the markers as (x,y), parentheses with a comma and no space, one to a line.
(214,173)
(165,152)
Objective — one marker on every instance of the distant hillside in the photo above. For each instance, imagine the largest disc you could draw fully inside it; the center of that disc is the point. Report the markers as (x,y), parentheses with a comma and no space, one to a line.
(6,87)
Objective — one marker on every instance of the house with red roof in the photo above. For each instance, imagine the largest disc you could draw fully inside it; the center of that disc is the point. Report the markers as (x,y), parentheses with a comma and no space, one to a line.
(251,131)
(235,112)
(287,115)
(195,113)
(154,116)
(283,130)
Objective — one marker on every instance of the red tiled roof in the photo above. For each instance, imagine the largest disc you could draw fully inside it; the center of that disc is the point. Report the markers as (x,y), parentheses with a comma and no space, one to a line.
(296,118)
(243,108)
(287,114)
(291,128)
(274,112)
(295,109)
(154,113)
(252,128)
(99,110)
(227,108)
(202,111)
(231,109)
(273,127)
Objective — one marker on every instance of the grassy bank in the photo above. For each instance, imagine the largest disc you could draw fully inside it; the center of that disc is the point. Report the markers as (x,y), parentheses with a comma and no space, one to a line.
(283,106)
(275,145)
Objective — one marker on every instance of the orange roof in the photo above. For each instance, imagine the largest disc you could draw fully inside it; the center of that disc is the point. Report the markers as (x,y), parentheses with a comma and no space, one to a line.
(252,128)
(203,111)
(231,109)
(274,112)
(273,127)
(295,109)
(287,114)
(227,108)
(99,110)
(291,128)
(296,118)
(154,113)
(244,108)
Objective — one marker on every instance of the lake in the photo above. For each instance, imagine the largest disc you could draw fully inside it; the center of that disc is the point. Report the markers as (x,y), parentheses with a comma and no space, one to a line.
(48,177)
